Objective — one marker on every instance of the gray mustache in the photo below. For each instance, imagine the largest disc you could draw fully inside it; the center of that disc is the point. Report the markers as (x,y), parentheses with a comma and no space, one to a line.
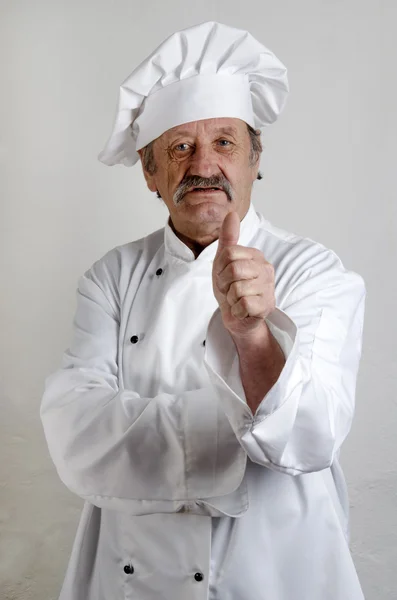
(197,181)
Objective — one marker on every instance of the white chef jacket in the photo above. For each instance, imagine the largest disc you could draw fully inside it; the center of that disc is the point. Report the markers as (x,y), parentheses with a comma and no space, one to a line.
(188,495)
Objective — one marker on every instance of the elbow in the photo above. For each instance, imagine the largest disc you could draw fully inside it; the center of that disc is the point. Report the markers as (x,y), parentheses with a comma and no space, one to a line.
(306,451)
(295,468)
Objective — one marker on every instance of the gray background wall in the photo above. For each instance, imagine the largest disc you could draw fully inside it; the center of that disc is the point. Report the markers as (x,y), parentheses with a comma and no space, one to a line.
(328,176)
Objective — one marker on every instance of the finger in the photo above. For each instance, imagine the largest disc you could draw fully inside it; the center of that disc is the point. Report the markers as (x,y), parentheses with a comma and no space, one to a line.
(235,271)
(251,306)
(230,231)
(232,253)
(247,287)
(244,269)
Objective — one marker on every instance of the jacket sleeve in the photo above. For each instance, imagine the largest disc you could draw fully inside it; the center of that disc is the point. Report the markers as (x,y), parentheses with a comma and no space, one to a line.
(112,447)
(304,418)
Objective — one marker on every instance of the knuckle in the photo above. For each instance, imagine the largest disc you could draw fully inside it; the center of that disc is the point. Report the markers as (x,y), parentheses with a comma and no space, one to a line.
(234,269)
(269,272)
(244,301)
(269,267)
(234,287)
(229,253)
(233,294)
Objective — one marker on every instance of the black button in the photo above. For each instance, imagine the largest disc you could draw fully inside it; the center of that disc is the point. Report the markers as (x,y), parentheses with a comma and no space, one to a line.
(134,339)
(198,577)
(159,271)
(204,343)
(128,569)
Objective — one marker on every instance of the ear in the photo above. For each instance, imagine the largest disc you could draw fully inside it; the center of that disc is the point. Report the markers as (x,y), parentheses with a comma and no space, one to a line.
(148,177)
(255,169)
(256,165)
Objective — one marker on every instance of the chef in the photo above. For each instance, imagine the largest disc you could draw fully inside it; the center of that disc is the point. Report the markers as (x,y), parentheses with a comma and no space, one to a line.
(201,406)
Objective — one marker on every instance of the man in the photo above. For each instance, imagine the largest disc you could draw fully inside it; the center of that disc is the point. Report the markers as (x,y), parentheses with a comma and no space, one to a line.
(210,382)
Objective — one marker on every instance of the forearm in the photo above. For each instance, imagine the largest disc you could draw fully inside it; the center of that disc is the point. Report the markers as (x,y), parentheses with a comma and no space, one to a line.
(261,362)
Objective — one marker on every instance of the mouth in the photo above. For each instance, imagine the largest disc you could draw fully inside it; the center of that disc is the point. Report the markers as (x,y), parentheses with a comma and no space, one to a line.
(209,190)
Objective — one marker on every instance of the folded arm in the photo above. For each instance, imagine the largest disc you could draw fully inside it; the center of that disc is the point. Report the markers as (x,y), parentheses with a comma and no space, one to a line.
(110,445)
(302,420)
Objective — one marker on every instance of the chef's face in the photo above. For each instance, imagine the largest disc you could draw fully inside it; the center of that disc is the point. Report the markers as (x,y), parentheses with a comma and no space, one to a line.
(206,153)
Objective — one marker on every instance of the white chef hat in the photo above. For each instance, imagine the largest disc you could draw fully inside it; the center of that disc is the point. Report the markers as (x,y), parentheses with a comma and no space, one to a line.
(206,71)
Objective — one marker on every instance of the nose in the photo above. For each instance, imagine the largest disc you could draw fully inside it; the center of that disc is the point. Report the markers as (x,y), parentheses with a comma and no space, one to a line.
(203,161)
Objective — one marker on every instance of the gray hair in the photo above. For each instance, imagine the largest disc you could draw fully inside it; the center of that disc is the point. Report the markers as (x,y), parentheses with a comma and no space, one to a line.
(256,148)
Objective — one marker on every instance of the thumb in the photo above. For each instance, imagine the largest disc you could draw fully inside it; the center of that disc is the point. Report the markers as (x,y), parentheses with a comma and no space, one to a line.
(230,230)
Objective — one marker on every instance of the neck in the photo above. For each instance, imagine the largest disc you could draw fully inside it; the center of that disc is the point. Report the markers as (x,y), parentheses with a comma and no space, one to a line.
(194,246)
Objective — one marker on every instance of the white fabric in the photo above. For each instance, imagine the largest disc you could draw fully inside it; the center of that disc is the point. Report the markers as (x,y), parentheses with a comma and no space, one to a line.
(205,71)
(177,474)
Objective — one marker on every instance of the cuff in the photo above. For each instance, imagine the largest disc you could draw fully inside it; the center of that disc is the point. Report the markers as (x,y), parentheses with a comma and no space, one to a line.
(222,363)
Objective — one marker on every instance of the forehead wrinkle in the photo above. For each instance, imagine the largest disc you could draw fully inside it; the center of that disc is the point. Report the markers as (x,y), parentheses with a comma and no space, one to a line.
(231,130)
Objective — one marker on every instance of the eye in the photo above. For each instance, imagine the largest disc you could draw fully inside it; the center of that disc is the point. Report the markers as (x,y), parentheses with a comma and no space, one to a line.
(227,142)
(179,146)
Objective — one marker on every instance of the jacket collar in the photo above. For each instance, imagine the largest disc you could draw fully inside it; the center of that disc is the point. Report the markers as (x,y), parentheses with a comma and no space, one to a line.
(174,247)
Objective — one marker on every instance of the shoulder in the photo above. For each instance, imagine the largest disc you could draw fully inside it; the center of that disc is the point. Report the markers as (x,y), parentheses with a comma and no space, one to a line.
(112,271)
(300,261)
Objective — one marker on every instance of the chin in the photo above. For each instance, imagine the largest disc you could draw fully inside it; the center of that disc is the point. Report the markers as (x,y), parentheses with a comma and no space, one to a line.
(211,211)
